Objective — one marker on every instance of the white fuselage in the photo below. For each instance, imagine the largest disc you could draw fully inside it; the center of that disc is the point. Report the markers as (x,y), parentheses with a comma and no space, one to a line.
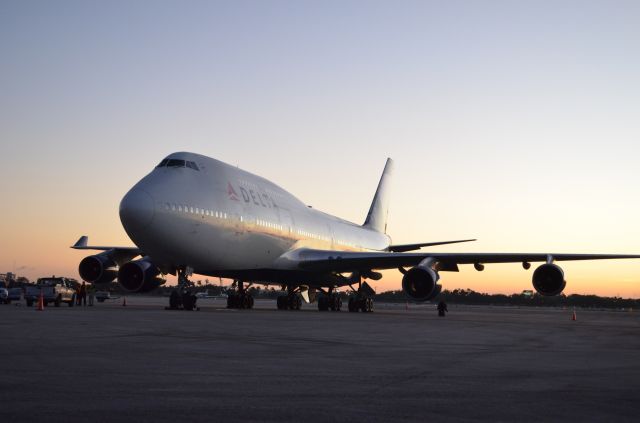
(222,221)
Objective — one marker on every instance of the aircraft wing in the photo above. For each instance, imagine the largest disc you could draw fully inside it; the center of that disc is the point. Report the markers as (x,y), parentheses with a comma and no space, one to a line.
(347,261)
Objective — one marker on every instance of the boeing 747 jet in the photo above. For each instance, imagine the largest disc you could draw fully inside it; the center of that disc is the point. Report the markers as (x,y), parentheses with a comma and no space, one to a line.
(194,214)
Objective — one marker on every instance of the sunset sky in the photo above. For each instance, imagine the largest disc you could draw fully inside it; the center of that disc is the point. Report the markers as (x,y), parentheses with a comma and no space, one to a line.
(517,123)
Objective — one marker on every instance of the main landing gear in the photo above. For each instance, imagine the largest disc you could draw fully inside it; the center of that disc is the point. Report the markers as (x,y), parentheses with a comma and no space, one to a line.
(181,298)
(360,303)
(361,299)
(291,301)
(330,301)
(241,299)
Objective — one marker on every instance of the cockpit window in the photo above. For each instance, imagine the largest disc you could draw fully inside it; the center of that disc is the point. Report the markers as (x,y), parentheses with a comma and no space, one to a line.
(178,163)
(175,163)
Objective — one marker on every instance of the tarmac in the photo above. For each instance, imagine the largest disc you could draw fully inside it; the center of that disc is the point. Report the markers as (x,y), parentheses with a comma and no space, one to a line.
(110,363)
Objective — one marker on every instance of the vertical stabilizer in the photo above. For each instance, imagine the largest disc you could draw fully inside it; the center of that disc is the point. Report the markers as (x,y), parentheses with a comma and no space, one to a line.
(377,216)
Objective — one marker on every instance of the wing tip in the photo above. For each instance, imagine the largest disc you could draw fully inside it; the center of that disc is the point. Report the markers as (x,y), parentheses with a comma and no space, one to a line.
(82,242)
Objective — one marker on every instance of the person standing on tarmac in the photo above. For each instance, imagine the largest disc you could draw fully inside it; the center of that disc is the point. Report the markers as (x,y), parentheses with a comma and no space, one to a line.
(78,297)
(442,308)
(83,294)
(92,294)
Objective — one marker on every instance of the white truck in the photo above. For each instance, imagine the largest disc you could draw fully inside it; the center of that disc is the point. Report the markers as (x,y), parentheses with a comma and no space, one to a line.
(54,290)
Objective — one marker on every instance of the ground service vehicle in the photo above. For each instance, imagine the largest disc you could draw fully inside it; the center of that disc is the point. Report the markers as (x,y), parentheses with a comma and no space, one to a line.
(15,294)
(54,290)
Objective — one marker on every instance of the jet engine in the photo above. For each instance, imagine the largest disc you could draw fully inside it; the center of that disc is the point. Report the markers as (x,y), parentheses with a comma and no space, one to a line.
(98,269)
(420,282)
(140,276)
(548,280)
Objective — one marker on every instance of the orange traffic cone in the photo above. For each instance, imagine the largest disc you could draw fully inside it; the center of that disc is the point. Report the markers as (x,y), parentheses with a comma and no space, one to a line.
(124,301)
(573,316)
(40,303)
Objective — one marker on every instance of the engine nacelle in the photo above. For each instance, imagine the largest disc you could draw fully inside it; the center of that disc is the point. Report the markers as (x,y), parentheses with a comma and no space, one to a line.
(98,269)
(140,276)
(548,280)
(420,283)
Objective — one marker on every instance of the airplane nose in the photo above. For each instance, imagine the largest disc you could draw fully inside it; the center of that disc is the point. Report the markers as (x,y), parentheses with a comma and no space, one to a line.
(136,209)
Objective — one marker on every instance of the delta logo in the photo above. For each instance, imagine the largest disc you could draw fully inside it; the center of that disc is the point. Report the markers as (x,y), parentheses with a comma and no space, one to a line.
(233,195)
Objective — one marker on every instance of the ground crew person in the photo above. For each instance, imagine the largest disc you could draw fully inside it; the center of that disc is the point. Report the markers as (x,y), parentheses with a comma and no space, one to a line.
(78,298)
(92,294)
(442,308)
(83,294)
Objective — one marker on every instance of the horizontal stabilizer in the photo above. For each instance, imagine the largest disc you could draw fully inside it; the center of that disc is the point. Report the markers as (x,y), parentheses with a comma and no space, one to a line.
(82,244)
(411,247)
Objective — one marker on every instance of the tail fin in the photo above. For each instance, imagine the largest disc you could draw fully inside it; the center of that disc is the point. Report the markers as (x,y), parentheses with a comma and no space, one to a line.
(377,216)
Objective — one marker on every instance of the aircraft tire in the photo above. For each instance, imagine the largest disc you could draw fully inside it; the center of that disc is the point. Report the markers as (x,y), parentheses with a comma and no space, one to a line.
(323,303)
(279,304)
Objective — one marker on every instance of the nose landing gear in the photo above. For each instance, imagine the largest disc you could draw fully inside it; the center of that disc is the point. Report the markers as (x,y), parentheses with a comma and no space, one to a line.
(182,298)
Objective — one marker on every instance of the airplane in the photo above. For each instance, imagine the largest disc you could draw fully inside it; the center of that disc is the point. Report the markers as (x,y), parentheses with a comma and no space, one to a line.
(195,214)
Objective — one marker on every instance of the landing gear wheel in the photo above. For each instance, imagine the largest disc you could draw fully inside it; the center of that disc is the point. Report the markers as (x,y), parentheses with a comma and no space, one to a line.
(367,305)
(323,303)
(240,301)
(353,305)
(295,302)
(281,302)
(175,301)
(189,301)
(336,302)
